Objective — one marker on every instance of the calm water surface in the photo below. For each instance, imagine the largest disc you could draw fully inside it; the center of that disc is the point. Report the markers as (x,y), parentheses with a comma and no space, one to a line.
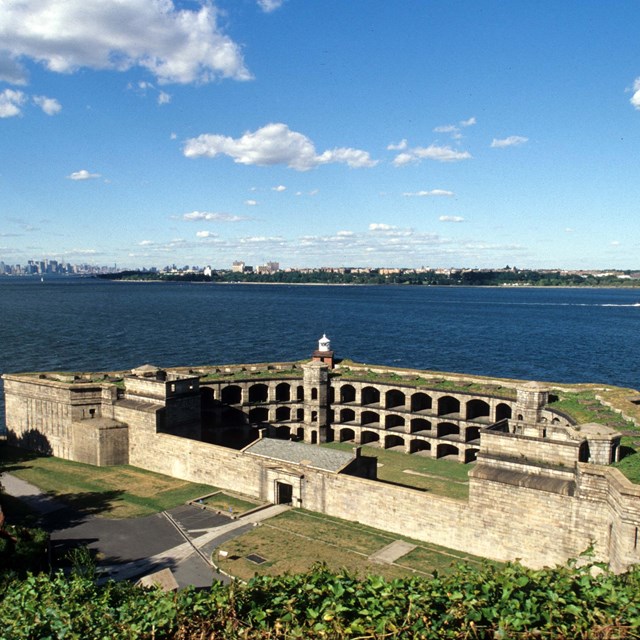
(565,335)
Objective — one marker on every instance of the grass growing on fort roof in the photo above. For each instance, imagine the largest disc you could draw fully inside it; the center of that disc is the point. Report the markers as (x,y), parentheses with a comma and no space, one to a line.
(443,477)
(115,492)
(294,541)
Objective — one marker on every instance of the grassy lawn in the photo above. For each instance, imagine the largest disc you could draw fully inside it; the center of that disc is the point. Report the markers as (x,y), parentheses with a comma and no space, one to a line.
(443,477)
(231,504)
(293,541)
(114,492)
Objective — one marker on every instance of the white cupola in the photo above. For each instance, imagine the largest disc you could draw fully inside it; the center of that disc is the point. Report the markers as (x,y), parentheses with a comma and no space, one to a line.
(324,344)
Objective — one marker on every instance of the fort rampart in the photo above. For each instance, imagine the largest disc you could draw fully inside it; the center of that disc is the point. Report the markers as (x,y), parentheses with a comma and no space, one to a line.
(540,489)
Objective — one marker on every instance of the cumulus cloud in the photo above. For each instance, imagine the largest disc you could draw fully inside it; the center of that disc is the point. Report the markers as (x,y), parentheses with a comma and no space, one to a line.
(270,5)
(49,105)
(205,234)
(251,203)
(400,146)
(432,152)
(145,243)
(433,192)
(273,144)
(469,122)
(164,98)
(11,102)
(511,141)
(210,216)
(83,174)
(380,226)
(635,98)
(280,188)
(451,219)
(175,45)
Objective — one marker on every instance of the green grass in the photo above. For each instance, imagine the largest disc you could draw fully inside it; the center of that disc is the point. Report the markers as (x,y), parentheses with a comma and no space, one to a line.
(630,467)
(117,492)
(585,407)
(436,383)
(443,477)
(230,504)
(294,541)
(248,374)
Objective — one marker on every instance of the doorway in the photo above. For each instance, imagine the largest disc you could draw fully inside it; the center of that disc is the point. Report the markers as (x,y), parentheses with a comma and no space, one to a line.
(284,493)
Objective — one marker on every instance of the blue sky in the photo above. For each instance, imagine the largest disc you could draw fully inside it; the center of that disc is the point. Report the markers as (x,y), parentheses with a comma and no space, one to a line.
(320,132)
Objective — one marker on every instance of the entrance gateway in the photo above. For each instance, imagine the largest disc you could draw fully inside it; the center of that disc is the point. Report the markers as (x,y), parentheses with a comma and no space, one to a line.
(284,493)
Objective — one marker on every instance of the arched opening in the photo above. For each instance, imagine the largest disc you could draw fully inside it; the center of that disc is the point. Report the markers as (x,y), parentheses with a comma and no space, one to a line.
(503,412)
(231,394)
(478,409)
(448,405)
(300,433)
(394,442)
(470,455)
(420,424)
(332,395)
(394,398)
(283,414)
(447,429)
(347,415)
(520,417)
(299,415)
(370,395)
(370,437)
(314,437)
(283,392)
(394,422)
(300,394)
(347,393)
(420,402)
(420,446)
(258,393)
(584,453)
(369,417)
(314,393)
(314,416)
(347,435)
(472,433)
(259,414)
(281,433)
(447,451)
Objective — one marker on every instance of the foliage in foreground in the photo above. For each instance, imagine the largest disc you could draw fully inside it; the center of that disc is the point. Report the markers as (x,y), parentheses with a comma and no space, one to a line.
(512,602)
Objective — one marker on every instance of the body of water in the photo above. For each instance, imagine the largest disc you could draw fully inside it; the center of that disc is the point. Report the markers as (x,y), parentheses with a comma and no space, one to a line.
(564,335)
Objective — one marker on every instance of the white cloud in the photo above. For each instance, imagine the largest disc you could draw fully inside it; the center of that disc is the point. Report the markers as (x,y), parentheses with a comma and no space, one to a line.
(175,45)
(345,234)
(432,152)
(273,144)
(468,123)
(270,5)
(615,243)
(11,102)
(209,216)
(49,105)
(280,188)
(205,234)
(400,146)
(145,243)
(11,70)
(83,174)
(511,141)
(173,136)
(251,203)
(441,154)
(164,98)
(446,128)
(451,219)
(635,98)
(433,192)
(380,226)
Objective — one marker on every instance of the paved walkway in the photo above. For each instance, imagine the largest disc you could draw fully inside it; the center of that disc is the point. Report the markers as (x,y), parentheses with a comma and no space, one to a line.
(181,539)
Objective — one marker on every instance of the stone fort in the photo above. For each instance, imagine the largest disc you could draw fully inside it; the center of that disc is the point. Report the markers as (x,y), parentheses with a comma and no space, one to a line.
(541,490)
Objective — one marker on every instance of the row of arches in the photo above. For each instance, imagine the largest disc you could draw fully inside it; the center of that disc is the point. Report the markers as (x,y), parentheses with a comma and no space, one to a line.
(417,402)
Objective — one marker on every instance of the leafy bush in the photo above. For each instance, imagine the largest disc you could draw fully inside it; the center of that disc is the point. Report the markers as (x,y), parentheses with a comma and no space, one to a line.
(489,602)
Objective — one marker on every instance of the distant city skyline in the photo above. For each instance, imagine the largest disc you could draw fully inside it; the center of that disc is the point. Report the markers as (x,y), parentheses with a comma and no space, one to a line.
(466,134)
